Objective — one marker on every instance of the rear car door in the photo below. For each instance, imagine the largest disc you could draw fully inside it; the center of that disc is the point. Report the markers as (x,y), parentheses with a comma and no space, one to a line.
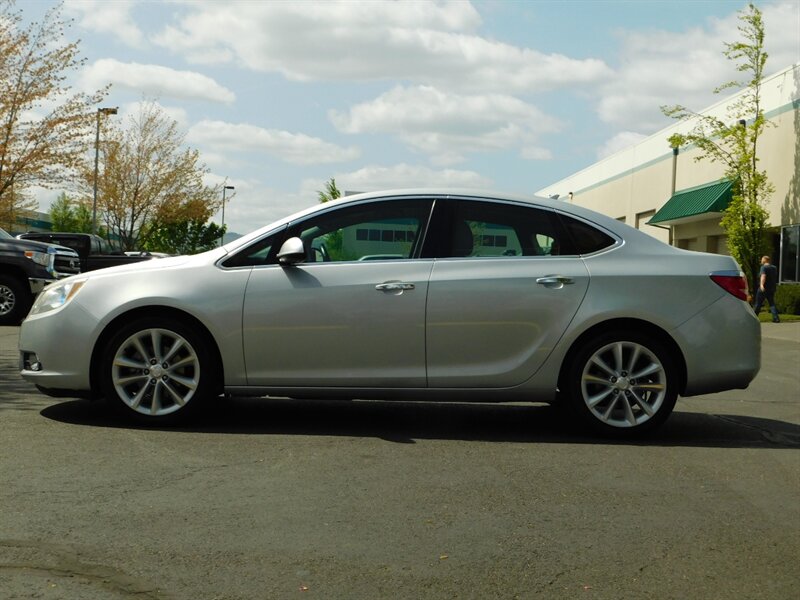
(504,288)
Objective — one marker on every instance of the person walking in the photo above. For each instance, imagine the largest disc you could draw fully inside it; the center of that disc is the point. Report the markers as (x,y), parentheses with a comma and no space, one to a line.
(767,282)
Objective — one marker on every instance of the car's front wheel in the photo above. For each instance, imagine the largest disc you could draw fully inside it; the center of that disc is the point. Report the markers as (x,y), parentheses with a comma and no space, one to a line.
(15,300)
(622,383)
(157,370)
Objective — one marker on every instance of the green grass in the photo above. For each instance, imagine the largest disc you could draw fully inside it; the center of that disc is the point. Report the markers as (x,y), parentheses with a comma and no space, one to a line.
(766,317)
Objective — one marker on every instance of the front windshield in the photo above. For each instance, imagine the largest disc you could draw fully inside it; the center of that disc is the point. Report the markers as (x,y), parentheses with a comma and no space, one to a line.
(4,235)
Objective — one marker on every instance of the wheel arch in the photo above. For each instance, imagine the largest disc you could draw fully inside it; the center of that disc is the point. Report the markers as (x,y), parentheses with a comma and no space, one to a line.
(161,312)
(623,324)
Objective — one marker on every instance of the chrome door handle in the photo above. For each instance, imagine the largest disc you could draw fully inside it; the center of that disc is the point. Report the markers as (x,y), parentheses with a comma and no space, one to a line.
(394,286)
(555,281)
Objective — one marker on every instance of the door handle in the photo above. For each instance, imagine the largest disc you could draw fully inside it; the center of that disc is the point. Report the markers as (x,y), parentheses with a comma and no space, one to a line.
(555,281)
(394,286)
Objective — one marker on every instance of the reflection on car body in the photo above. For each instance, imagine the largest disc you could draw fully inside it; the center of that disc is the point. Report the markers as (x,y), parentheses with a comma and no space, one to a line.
(424,294)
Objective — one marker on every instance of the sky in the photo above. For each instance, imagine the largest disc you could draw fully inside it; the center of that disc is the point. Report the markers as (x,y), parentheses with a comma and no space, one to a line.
(512,96)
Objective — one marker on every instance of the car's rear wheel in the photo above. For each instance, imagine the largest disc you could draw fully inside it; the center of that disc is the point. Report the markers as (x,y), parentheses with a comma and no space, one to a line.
(157,371)
(15,301)
(622,383)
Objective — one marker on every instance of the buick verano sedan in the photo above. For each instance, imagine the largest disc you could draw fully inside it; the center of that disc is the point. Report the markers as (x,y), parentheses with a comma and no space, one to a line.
(411,294)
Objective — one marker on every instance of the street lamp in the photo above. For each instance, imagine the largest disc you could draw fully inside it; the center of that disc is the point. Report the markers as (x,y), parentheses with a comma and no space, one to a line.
(225,188)
(100,111)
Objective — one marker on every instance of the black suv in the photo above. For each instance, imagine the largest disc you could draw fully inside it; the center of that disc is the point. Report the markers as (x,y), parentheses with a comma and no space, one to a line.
(25,268)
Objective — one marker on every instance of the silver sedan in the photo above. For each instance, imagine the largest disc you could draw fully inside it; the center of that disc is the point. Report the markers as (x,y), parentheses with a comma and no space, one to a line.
(410,294)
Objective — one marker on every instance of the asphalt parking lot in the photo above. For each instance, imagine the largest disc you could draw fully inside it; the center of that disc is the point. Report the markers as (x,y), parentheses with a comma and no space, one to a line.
(301,499)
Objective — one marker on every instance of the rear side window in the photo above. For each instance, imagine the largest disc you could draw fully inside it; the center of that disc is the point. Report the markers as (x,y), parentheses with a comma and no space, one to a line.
(486,229)
(585,238)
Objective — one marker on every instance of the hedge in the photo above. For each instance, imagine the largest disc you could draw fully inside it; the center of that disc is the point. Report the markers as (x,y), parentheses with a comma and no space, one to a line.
(787,299)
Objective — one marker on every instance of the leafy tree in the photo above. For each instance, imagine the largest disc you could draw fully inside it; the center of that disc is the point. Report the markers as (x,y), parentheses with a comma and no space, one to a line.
(44,129)
(187,236)
(148,178)
(334,241)
(62,214)
(331,192)
(733,143)
(70,215)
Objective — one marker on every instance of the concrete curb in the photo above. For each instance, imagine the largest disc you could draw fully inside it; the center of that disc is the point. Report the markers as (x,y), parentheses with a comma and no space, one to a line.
(781,331)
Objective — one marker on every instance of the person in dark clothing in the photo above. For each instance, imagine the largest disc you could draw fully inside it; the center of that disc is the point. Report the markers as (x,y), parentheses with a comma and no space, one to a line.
(767,282)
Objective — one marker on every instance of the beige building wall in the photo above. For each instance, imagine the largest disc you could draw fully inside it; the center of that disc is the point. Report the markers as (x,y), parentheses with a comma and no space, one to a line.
(638,181)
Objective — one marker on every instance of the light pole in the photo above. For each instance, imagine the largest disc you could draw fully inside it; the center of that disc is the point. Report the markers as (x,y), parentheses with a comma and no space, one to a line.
(225,188)
(104,111)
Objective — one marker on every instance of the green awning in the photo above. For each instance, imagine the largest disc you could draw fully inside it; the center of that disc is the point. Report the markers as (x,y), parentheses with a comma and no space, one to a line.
(695,204)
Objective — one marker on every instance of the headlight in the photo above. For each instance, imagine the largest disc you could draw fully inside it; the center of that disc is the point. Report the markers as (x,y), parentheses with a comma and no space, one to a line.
(56,295)
(40,258)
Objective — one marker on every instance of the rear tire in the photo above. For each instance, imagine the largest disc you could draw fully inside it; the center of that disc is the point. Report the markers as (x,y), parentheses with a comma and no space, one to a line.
(157,371)
(621,384)
(15,300)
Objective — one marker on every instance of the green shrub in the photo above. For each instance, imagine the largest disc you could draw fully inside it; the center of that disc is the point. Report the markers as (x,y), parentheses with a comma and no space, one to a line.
(787,299)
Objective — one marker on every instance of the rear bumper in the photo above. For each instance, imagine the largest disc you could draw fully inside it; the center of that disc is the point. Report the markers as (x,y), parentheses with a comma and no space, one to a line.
(722,347)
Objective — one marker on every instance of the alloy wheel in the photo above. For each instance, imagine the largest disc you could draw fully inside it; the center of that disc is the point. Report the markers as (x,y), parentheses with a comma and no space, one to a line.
(155,372)
(623,384)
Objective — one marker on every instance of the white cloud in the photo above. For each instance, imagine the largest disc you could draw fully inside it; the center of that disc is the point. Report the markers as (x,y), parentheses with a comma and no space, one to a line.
(430,43)
(154,80)
(448,126)
(256,205)
(294,148)
(102,16)
(660,67)
(374,178)
(133,109)
(621,141)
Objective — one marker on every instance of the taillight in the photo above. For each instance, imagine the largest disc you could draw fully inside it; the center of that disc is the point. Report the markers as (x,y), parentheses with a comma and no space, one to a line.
(732,282)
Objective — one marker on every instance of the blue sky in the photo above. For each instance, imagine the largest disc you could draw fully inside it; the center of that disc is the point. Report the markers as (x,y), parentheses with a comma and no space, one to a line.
(281,96)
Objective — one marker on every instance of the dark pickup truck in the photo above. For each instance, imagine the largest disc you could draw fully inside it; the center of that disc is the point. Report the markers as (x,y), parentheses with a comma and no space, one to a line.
(26,266)
(94,251)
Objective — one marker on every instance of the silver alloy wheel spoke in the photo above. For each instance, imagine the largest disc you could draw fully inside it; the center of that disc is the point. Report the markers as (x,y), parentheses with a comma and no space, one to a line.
(155,372)
(630,393)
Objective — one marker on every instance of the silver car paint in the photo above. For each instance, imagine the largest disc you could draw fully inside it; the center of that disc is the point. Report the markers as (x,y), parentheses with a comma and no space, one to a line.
(326,324)
(635,279)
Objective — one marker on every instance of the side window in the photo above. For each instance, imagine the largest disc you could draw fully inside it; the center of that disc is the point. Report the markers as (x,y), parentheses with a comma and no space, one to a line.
(261,252)
(498,230)
(586,239)
(384,230)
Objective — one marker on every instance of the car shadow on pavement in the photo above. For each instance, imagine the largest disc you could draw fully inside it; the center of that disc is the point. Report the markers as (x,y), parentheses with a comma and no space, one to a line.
(407,422)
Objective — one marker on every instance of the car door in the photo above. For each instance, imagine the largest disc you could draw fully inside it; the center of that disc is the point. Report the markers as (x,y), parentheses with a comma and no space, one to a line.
(352,314)
(501,294)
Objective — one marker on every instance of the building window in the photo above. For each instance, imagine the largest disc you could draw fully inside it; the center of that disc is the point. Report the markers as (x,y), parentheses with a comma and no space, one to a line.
(643,217)
(790,259)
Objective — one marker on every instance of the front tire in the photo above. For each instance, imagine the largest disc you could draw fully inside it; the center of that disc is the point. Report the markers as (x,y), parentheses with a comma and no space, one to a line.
(157,371)
(622,384)
(15,300)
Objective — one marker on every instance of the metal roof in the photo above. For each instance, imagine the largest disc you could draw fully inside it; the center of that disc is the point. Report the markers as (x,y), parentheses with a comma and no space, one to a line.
(700,201)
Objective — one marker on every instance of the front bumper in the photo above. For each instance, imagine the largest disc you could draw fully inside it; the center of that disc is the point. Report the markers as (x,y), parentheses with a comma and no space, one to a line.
(61,342)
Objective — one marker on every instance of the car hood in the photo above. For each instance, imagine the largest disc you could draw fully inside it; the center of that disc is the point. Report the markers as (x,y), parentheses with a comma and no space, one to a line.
(156,264)
(37,246)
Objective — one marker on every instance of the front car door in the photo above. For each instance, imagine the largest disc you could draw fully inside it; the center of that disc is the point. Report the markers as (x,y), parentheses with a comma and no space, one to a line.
(352,314)
(504,288)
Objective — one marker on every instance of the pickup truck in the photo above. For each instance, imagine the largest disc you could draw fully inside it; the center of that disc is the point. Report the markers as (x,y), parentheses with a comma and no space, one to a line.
(95,252)
(26,266)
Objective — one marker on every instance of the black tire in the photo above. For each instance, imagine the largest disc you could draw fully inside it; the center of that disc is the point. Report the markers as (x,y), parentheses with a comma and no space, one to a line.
(15,300)
(157,371)
(621,384)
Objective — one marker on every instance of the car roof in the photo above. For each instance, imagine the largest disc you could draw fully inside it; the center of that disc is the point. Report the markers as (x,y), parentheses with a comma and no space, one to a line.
(616,227)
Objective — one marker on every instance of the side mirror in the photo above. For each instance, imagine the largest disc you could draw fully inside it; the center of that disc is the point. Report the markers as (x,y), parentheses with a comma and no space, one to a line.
(292,252)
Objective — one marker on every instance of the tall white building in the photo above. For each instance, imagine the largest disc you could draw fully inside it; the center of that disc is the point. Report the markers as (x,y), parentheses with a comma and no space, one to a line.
(679,200)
